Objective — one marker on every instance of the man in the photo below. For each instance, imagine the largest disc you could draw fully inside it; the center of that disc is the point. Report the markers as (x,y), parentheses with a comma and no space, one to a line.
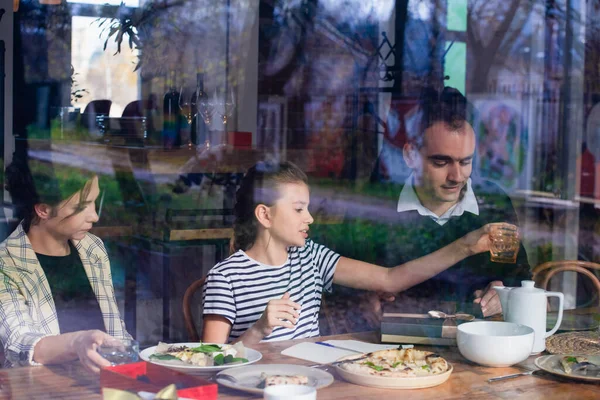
(439,203)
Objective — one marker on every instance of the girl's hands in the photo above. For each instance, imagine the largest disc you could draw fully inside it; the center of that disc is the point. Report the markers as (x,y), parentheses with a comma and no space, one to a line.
(85,343)
(279,312)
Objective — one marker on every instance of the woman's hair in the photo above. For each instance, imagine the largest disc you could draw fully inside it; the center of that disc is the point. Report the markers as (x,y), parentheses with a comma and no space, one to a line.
(41,182)
(260,185)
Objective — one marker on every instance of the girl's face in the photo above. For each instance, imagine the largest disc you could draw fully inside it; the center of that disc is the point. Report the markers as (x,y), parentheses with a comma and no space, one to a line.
(289,215)
(73,218)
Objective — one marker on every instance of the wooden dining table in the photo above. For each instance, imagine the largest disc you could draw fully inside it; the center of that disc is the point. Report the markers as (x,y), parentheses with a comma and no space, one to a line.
(468,380)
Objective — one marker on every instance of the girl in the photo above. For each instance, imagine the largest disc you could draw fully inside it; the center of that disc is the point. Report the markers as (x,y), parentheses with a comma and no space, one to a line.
(53,271)
(270,289)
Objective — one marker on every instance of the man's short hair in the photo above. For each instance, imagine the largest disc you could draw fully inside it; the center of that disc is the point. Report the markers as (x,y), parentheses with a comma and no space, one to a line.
(448,105)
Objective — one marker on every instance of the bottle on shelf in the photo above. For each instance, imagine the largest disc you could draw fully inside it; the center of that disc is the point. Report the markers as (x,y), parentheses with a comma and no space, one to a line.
(171,120)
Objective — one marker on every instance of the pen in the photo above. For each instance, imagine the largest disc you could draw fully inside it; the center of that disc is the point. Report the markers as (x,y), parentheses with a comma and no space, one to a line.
(337,347)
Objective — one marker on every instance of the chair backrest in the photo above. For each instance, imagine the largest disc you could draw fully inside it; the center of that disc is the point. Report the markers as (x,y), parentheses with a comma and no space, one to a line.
(188,316)
(134,109)
(543,272)
(92,110)
(98,107)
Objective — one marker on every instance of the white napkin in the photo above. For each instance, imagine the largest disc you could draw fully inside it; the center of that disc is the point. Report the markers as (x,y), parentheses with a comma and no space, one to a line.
(321,354)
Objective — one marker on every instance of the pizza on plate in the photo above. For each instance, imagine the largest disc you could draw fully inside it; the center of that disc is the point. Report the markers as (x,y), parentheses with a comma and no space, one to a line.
(272,380)
(396,363)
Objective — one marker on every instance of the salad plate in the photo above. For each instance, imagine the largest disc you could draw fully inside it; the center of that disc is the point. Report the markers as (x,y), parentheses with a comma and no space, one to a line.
(200,358)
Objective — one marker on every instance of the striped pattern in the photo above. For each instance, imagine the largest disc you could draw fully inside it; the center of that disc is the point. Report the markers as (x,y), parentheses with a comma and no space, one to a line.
(27,310)
(239,289)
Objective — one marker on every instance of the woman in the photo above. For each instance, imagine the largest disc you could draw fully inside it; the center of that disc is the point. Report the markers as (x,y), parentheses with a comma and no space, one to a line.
(57,299)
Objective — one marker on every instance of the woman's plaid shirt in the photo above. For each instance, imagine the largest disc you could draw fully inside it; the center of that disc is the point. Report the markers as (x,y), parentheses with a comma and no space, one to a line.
(27,310)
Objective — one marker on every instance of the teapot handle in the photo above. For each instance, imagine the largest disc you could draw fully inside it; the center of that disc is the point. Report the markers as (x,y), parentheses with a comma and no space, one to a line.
(561,299)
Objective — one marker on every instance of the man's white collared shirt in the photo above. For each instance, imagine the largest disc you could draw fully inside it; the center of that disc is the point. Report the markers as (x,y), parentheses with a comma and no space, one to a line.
(409,201)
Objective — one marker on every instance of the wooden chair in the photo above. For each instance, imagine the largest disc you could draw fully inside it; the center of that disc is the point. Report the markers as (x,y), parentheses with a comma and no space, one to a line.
(182,230)
(188,316)
(544,272)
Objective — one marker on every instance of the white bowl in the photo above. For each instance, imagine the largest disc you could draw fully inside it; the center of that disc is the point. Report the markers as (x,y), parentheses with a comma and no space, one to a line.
(494,343)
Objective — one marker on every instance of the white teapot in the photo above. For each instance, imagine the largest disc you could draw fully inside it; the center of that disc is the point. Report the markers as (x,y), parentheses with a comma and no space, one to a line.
(527,305)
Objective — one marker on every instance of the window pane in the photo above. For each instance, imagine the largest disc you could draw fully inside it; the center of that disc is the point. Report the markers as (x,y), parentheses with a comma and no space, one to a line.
(457,15)
(455,65)
(102,73)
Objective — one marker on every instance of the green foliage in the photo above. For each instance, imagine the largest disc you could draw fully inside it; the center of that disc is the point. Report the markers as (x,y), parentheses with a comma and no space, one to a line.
(61,128)
(135,25)
(76,94)
(379,190)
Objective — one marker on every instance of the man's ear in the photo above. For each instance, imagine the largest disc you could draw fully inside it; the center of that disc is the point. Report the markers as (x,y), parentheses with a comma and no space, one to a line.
(43,211)
(263,215)
(411,155)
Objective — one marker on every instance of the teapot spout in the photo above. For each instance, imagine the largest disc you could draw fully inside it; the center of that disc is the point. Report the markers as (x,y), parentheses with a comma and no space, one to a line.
(503,294)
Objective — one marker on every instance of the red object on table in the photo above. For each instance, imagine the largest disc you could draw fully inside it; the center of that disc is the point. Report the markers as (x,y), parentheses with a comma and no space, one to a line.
(239,139)
(129,377)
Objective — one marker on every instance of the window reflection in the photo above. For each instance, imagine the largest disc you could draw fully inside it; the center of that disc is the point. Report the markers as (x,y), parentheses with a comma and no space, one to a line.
(335,87)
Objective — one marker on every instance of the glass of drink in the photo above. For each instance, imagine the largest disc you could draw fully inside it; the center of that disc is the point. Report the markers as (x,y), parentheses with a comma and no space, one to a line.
(206,109)
(226,106)
(185,104)
(505,243)
(120,351)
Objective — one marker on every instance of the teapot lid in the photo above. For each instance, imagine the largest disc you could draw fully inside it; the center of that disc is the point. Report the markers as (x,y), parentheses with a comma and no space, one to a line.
(528,286)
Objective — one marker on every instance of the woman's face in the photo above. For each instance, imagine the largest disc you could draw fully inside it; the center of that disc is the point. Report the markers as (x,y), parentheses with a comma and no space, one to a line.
(73,218)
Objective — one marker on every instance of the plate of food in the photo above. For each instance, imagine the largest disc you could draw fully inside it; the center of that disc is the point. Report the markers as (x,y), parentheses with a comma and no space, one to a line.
(395,369)
(200,358)
(584,368)
(254,378)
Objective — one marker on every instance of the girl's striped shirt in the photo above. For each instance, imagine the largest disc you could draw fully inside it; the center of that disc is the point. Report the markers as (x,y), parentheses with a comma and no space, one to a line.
(239,289)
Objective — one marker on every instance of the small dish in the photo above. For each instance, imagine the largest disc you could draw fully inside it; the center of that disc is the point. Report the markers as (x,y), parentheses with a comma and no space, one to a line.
(247,378)
(551,364)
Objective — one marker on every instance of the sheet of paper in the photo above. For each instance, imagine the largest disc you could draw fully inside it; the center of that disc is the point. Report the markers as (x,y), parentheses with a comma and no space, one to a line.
(321,354)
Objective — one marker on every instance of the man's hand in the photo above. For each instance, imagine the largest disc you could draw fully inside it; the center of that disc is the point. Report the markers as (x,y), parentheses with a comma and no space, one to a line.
(489,300)
(373,314)
(85,343)
(479,241)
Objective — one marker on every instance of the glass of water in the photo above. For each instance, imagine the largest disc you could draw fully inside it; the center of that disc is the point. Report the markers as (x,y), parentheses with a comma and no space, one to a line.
(120,351)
